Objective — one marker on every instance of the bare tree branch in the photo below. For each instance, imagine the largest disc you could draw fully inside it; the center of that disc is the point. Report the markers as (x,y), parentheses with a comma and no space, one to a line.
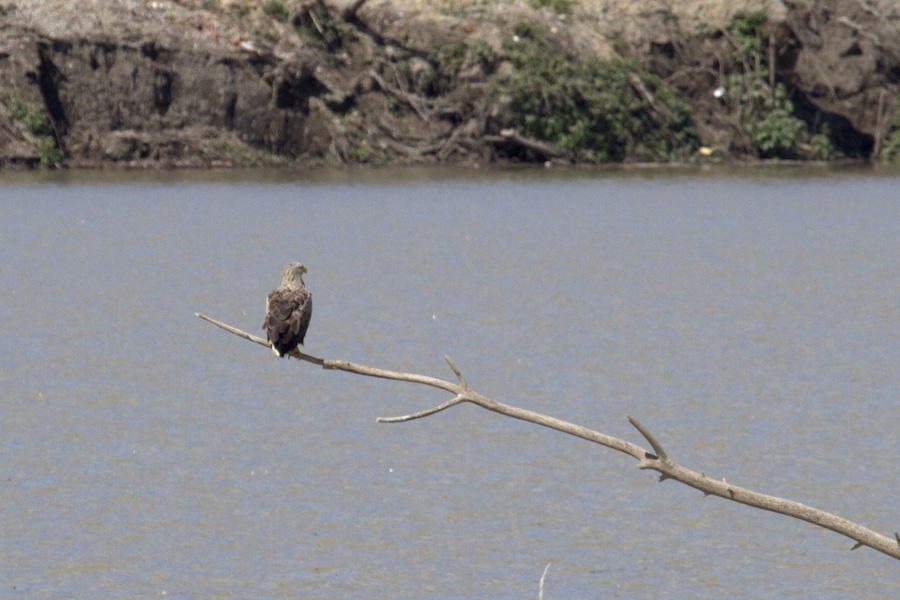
(659,461)
(510,136)
(541,583)
(423,413)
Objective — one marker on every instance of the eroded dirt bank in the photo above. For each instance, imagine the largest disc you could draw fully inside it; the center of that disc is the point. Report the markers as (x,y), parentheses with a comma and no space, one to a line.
(147,83)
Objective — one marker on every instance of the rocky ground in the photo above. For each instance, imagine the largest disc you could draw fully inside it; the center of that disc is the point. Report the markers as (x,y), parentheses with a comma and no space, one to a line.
(198,83)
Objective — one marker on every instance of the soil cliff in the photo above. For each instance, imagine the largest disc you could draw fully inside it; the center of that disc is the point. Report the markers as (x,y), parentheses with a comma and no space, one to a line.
(148,83)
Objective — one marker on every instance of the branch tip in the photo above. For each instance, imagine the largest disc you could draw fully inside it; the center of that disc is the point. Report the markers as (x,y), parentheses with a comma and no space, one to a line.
(421,414)
(855,546)
(541,584)
(462,380)
(657,447)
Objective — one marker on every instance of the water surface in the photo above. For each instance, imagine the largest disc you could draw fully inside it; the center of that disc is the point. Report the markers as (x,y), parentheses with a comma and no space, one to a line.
(751,322)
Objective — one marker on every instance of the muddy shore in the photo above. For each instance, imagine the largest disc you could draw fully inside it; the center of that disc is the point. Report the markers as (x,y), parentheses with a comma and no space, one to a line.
(218,83)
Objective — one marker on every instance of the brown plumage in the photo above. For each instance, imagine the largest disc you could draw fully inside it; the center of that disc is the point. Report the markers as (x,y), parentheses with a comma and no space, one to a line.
(288,311)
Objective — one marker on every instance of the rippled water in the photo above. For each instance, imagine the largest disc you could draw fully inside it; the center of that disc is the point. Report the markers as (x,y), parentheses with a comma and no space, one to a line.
(751,323)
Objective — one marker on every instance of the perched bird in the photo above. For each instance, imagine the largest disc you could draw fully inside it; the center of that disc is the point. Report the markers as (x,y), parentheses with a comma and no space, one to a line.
(288,311)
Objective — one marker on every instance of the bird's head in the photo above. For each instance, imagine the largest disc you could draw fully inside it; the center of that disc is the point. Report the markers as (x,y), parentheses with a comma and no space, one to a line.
(293,274)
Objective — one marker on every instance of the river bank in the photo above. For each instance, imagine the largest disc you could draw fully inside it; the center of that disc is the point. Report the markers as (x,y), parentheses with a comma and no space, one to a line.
(218,83)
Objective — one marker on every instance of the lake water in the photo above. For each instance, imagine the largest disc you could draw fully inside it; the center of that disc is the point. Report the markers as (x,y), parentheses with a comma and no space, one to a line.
(751,320)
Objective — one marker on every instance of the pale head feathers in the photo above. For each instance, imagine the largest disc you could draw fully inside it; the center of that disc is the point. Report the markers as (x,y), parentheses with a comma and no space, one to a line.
(293,275)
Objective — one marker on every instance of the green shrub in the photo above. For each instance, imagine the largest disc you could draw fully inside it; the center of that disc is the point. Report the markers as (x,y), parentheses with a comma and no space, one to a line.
(36,121)
(745,30)
(448,58)
(766,114)
(277,10)
(31,115)
(890,150)
(820,145)
(778,133)
(327,32)
(481,52)
(595,110)
(49,152)
(360,153)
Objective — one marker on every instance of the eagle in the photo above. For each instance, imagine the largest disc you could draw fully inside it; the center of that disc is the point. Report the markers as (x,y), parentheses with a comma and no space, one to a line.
(288,311)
